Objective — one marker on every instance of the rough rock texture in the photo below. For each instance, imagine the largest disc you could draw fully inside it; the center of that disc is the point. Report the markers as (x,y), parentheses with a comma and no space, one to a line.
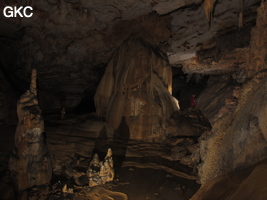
(137,84)
(102,172)
(238,136)
(186,41)
(30,161)
(219,97)
(189,123)
(238,139)
(258,44)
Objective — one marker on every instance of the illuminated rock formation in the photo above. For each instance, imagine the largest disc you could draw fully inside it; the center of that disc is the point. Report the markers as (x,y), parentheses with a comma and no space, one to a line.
(30,161)
(137,84)
(100,173)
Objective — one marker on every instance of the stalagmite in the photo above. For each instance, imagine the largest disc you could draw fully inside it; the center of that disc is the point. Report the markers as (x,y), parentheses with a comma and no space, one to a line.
(100,173)
(137,85)
(29,161)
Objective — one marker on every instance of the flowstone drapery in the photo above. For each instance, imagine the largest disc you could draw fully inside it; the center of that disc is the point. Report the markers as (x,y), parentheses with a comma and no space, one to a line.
(137,84)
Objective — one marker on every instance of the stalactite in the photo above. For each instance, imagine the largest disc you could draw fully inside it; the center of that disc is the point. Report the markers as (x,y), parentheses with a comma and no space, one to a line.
(208,7)
(240,19)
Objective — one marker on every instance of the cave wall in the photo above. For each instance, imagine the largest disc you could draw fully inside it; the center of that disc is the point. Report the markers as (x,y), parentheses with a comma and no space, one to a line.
(219,97)
(238,139)
(238,136)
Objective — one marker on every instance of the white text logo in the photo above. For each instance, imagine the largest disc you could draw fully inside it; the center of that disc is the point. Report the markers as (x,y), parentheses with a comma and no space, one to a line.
(20,11)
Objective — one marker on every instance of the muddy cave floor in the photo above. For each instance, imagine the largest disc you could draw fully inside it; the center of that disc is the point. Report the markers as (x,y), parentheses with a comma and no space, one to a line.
(142,170)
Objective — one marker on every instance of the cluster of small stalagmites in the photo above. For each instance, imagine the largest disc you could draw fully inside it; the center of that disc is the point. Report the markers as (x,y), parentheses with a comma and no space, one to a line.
(29,161)
(100,172)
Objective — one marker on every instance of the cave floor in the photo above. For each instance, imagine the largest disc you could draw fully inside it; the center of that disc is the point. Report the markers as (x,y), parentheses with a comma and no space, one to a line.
(142,170)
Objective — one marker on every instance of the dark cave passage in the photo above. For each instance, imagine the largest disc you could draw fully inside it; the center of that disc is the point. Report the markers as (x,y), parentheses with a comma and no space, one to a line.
(87,105)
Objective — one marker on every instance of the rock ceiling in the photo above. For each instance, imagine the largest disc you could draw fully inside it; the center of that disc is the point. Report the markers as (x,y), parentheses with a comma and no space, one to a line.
(70,41)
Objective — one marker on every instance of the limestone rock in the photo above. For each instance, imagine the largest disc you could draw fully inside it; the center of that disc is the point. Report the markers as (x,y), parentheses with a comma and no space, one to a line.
(137,85)
(238,140)
(219,97)
(30,161)
(189,123)
(100,173)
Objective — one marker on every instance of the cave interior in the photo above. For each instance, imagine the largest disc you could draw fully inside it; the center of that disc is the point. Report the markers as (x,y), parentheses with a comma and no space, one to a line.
(145,99)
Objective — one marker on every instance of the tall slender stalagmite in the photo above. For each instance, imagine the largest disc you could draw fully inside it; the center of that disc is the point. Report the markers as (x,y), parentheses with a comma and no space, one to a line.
(30,162)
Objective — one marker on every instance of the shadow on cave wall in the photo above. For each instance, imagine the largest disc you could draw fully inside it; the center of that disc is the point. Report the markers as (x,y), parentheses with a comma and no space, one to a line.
(118,144)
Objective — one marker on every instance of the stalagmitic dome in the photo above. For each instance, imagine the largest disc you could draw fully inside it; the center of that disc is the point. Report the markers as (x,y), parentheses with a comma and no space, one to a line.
(137,85)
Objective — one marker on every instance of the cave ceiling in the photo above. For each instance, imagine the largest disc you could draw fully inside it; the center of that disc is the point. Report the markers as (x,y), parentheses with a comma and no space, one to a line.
(71,41)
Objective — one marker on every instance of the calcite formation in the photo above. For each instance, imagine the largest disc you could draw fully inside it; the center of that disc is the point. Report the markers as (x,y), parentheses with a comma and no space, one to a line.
(137,85)
(258,43)
(100,172)
(30,161)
